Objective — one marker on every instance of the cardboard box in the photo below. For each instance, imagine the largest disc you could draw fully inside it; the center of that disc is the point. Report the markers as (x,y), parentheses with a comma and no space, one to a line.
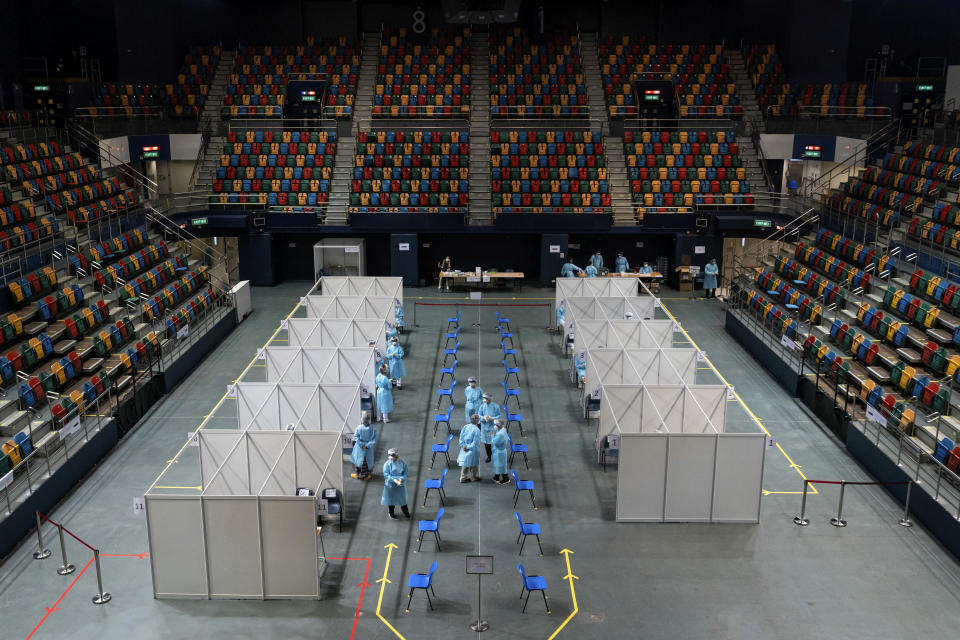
(684,278)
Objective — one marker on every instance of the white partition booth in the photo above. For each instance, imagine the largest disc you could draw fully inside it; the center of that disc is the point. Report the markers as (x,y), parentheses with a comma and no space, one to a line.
(288,406)
(624,334)
(315,332)
(369,286)
(676,462)
(350,307)
(327,365)
(248,534)
(596,288)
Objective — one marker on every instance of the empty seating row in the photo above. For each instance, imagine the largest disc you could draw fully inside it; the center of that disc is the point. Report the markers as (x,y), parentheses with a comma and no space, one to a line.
(16,236)
(832,266)
(60,181)
(43,166)
(174,294)
(946,172)
(852,250)
(13,118)
(25,358)
(150,280)
(34,284)
(893,198)
(109,249)
(129,266)
(937,288)
(935,152)
(190,311)
(86,193)
(92,211)
(801,276)
(935,232)
(906,182)
(862,209)
(23,152)
(770,313)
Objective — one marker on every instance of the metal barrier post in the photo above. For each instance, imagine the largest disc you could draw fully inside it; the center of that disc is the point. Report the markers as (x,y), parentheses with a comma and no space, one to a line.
(839,521)
(42,552)
(801,519)
(66,568)
(101,597)
(905,520)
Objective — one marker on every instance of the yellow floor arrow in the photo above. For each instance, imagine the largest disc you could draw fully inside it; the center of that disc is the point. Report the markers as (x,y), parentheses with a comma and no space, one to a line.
(383,585)
(573,594)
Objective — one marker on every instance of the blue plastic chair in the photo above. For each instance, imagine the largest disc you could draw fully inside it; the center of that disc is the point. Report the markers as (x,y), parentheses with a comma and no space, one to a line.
(509,352)
(514,417)
(944,447)
(23,441)
(435,483)
(422,581)
(454,320)
(505,334)
(522,485)
(448,392)
(510,393)
(450,352)
(442,418)
(441,448)
(445,370)
(510,370)
(518,448)
(528,529)
(452,336)
(531,584)
(431,526)
(502,321)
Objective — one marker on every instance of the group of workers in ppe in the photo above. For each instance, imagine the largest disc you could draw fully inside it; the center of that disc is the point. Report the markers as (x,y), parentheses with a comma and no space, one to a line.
(484,426)
(595,266)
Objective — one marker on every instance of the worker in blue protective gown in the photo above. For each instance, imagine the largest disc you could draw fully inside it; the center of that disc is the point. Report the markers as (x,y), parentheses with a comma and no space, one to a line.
(398,315)
(591,271)
(569,270)
(622,266)
(646,268)
(488,412)
(561,313)
(384,394)
(710,278)
(391,332)
(474,398)
(395,472)
(597,260)
(395,355)
(468,456)
(500,452)
(364,441)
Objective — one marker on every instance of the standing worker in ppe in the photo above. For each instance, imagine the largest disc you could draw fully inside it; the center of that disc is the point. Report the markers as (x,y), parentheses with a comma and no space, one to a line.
(384,394)
(591,271)
(395,472)
(622,265)
(398,315)
(500,443)
(364,441)
(569,270)
(710,278)
(488,412)
(561,313)
(445,266)
(395,355)
(469,450)
(597,260)
(474,398)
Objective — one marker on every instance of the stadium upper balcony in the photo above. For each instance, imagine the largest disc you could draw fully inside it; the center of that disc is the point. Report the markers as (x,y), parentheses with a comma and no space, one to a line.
(536,79)
(258,84)
(778,97)
(699,72)
(184,98)
(423,76)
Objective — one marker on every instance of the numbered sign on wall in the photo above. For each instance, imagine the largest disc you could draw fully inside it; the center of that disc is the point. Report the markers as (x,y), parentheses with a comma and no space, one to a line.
(139,507)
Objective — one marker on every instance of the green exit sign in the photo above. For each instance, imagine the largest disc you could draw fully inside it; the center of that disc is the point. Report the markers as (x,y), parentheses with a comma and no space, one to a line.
(757,222)
(41,87)
(196,222)
(924,87)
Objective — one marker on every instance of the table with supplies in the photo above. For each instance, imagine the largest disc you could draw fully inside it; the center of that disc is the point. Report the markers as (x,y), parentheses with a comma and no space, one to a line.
(484,279)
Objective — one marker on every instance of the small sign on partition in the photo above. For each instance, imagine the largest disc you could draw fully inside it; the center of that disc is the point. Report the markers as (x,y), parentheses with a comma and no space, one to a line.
(193,438)
(139,507)
(476,295)
(873,415)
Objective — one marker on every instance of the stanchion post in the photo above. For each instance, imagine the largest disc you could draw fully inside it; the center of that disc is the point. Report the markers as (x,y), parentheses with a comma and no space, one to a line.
(42,552)
(101,597)
(802,520)
(839,521)
(66,568)
(905,520)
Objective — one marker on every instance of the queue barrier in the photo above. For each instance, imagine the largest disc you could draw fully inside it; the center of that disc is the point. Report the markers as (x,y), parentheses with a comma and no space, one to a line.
(65,567)
(838,521)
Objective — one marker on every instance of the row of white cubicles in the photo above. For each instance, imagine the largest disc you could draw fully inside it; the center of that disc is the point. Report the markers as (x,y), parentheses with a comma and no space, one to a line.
(659,408)
(238,518)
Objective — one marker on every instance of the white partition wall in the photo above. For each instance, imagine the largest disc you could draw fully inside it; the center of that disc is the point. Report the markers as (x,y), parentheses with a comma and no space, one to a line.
(379,286)
(248,534)
(595,287)
(327,365)
(313,407)
(315,332)
(351,307)
(624,334)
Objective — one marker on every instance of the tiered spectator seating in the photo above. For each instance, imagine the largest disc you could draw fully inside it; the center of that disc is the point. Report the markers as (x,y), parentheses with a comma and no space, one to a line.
(11,118)
(867,192)
(854,251)
(832,266)
(174,294)
(90,202)
(786,99)
(282,168)
(423,78)
(185,97)
(928,160)
(130,266)
(529,79)
(411,171)
(699,73)
(17,153)
(150,280)
(32,169)
(552,171)
(685,168)
(110,249)
(907,182)
(32,285)
(259,83)
(190,311)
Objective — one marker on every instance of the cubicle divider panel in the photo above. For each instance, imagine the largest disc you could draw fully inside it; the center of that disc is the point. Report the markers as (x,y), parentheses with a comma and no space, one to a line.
(738,477)
(641,477)
(690,465)
(177,558)
(231,526)
(289,539)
